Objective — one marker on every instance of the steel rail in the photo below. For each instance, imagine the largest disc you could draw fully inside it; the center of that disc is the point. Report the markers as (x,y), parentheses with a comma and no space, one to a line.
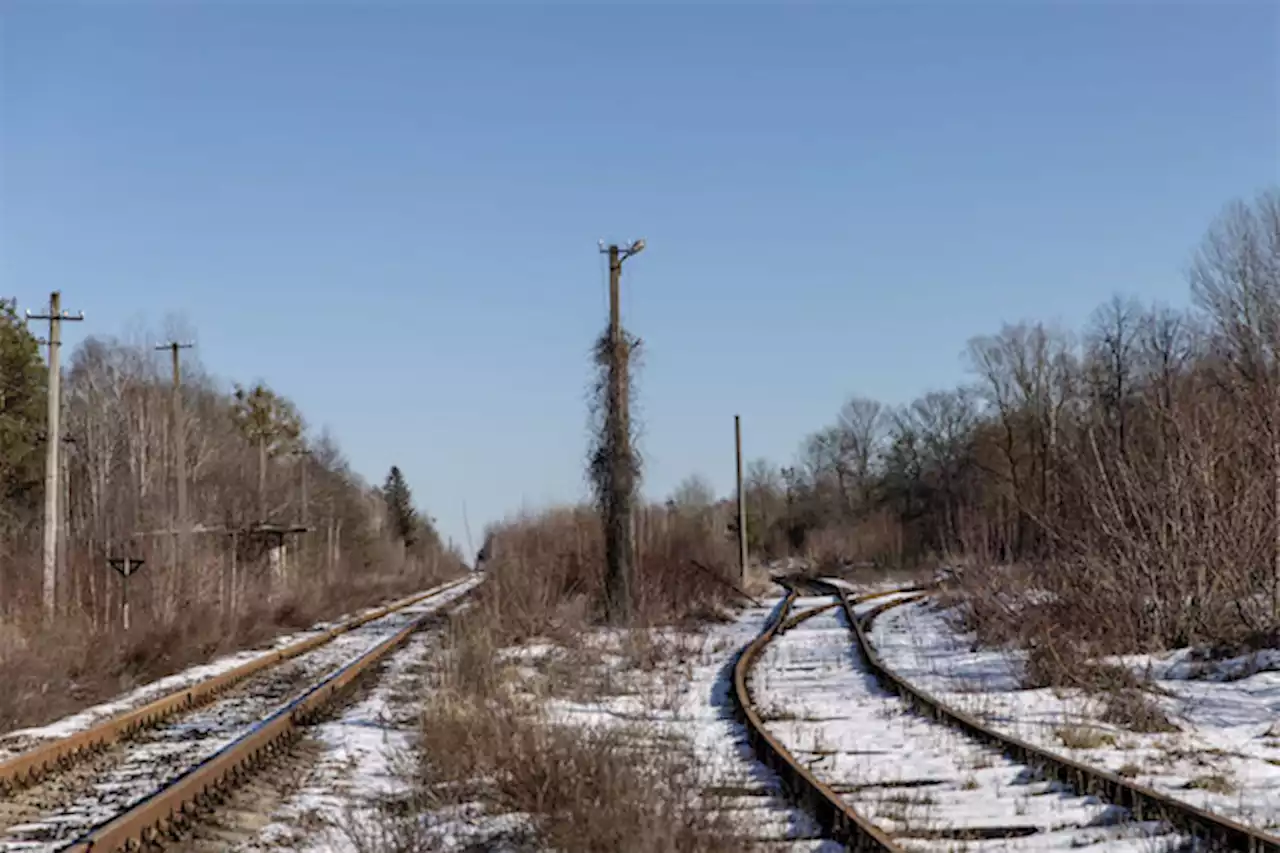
(837,818)
(172,805)
(1144,803)
(28,767)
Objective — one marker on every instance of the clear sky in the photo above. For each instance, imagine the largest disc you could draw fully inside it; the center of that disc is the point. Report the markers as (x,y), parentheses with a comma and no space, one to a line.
(389,211)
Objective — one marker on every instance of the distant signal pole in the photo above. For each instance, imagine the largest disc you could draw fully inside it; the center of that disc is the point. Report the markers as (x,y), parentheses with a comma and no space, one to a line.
(53,443)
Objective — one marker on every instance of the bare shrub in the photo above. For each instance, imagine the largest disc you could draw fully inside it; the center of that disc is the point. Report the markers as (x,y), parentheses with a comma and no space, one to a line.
(485,742)
(1214,783)
(573,789)
(1084,737)
(1137,712)
(80,664)
(546,575)
(250,462)
(582,788)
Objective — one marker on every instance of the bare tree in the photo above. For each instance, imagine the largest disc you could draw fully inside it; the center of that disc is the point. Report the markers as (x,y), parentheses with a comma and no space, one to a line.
(862,429)
(1109,368)
(694,492)
(944,421)
(1235,279)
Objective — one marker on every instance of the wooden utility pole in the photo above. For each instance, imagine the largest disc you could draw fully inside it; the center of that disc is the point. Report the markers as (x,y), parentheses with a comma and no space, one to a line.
(183,524)
(304,457)
(52,518)
(234,584)
(742,501)
(619,539)
(65,581)
(262,478)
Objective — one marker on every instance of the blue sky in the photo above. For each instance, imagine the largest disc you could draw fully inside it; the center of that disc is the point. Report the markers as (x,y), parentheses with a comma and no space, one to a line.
(390,211)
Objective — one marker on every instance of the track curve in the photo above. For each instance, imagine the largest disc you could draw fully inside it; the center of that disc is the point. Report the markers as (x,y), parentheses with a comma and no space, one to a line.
(865,827)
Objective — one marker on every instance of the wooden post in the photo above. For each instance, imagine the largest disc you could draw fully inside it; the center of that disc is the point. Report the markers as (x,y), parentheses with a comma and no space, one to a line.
(742,501)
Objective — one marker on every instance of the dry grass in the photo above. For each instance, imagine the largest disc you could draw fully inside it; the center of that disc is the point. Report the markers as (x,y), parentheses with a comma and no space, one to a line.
(486,747)
(1084,737)
(547,575)
(78,666)
(1214,783)
(583,788)
(1137,712)
(1061,630)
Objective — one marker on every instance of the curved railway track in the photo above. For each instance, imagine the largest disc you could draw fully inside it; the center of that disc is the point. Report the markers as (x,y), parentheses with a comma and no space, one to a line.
(118,784)
(884,766)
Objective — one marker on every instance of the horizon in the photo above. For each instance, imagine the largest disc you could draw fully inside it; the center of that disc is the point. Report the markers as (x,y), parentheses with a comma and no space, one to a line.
(390,215)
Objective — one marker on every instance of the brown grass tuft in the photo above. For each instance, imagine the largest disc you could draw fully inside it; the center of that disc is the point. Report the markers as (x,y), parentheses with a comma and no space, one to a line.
(1136,711)
(78,665)
(487,747)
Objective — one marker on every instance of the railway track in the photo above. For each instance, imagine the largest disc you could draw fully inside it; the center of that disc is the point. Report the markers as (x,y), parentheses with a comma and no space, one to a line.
(883,766)
(118,785)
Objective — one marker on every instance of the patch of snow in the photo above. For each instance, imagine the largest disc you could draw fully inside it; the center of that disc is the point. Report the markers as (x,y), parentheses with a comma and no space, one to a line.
(360,748)
(915,778)
(863,587)
(686,696)
(1225,757)
(696,706)
(21,740)
(158,755)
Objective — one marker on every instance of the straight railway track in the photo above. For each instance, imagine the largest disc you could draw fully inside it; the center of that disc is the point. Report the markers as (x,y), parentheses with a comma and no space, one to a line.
(885,766)
(139,777)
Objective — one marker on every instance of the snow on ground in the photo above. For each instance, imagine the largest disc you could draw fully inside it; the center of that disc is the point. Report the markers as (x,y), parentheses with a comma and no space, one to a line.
(685,695)
(688,696)
(861,588)
(1225,756)
(917,779)
(21,740)
(361,749)
(162,753)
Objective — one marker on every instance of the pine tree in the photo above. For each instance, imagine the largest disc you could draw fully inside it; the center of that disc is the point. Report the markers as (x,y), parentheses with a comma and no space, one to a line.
(267,417)
(23,377)
(404,518)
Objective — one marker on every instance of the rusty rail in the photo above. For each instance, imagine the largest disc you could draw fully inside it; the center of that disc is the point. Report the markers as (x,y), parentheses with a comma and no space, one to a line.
(29,766)
(171,806)
(838,820)
(1145,804)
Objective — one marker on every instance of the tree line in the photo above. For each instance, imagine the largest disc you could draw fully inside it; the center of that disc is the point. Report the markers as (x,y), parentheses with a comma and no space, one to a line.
(1134,464)
(251,461)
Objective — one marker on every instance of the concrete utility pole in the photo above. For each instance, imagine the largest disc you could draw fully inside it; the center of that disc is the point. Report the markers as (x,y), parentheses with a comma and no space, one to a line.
(742,500)
(619,542)
(53,444)
(179,451)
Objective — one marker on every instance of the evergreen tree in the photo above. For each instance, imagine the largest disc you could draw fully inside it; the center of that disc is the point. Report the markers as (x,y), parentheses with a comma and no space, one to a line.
(268,418)
(404,518)
(23,377)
